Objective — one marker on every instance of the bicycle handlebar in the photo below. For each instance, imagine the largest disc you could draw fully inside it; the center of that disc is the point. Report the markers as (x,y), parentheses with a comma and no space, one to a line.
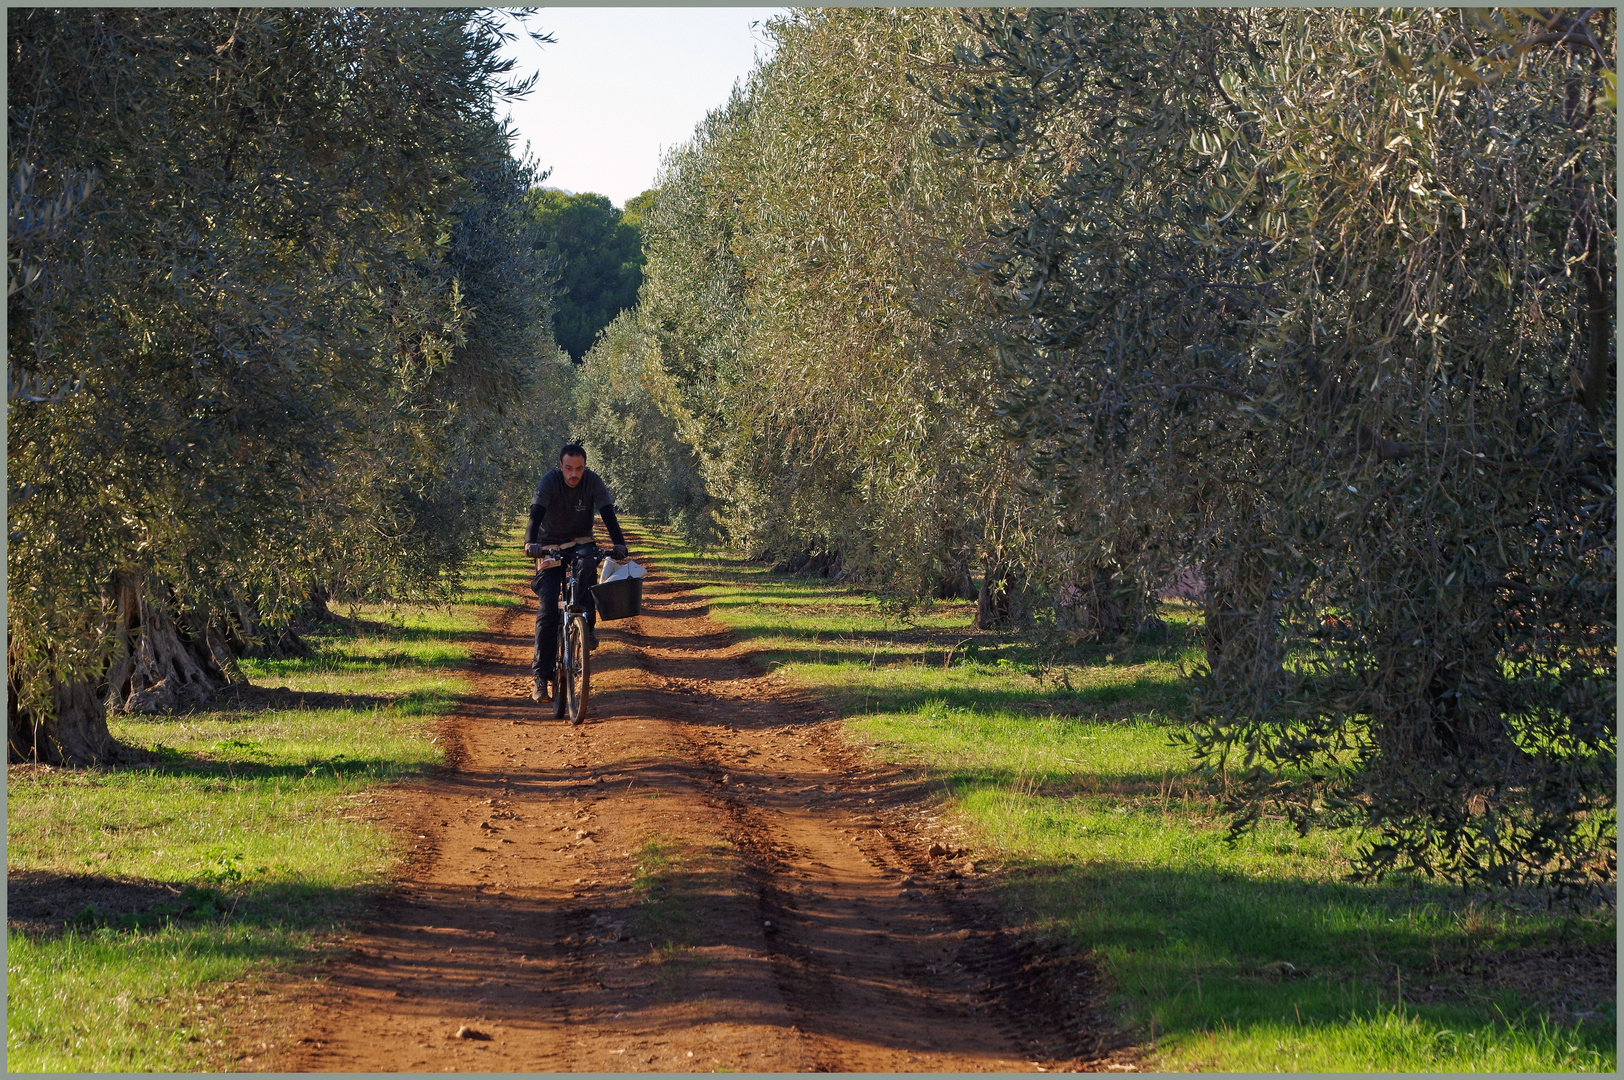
(545,551)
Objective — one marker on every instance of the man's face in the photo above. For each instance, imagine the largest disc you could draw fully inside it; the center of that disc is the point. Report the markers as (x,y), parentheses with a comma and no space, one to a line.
(573,467)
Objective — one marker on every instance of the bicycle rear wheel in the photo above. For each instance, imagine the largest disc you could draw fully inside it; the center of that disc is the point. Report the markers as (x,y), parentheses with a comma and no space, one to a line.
(577,678)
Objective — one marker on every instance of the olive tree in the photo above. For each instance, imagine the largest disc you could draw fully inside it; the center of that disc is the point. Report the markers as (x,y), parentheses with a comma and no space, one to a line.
(1322,302)
(631,440)
(811,280)
(269,248)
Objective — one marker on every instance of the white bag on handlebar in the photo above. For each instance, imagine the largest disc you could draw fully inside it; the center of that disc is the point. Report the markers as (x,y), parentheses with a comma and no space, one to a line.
(614,571)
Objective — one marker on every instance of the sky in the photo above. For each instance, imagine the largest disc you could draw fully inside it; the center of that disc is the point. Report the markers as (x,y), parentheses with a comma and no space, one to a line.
(621,85)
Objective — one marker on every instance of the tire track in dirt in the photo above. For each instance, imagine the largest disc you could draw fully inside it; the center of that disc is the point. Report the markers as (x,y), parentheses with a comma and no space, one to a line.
(702,875)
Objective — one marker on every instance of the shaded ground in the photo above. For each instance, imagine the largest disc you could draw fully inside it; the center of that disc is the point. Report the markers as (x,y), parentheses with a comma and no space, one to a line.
(43,903)
(702,876)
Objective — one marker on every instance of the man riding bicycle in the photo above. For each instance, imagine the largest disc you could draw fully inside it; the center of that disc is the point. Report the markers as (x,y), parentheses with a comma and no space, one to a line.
(561,515)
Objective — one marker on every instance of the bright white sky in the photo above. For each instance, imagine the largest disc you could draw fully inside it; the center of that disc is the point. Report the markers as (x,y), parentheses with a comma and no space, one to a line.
(621,85)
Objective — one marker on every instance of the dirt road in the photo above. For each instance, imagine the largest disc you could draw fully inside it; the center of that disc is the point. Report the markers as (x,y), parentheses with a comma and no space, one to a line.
(702,876)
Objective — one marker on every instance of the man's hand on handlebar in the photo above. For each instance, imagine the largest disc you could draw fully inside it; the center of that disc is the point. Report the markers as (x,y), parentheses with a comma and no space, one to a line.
(532,551)
(619,552)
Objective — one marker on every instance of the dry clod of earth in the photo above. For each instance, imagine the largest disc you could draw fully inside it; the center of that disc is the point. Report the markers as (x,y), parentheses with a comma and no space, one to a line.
(787,917)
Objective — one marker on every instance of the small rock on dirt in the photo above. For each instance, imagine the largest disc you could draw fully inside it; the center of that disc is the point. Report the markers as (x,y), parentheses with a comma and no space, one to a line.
(466,1032)
(1281,969)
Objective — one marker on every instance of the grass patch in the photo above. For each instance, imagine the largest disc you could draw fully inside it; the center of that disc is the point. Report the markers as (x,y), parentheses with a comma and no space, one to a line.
(244,846)
(1254,957)
(675,887)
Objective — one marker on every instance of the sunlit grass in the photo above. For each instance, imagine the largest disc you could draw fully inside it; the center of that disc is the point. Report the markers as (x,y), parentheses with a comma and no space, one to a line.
(487,581)
(1062,769)
(133,1001)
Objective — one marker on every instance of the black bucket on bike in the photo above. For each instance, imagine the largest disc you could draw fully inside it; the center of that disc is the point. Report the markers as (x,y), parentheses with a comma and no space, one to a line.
(619,599)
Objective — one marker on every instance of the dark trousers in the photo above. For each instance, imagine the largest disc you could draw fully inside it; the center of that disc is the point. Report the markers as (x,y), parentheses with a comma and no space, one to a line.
(548,618)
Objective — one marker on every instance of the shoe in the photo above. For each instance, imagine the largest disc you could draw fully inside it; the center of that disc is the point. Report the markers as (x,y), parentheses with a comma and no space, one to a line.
(542,691)
(592,640)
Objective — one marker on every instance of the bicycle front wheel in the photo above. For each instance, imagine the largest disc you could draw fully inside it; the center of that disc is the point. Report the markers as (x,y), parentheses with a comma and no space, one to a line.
(579,675)
(560,666)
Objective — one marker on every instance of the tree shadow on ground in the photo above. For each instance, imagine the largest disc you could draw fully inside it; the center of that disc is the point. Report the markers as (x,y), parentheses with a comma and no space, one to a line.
(943,645)
(1143,694)
(249,699)
(46,904)
(167,761)
(389,631)
(355,661)
(1218,949)
(340,766)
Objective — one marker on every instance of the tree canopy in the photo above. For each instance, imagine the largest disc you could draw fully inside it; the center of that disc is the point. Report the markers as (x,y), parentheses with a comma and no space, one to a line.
(597,254)
(1317,307)
(285,258)
(1325,301)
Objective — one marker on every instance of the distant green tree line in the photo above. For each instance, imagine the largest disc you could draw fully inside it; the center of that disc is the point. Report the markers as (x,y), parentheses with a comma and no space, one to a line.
(277,335)
(1045,307)
(596,255)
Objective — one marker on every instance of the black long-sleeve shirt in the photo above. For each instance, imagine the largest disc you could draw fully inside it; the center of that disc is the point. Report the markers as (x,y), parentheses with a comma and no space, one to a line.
(560,513)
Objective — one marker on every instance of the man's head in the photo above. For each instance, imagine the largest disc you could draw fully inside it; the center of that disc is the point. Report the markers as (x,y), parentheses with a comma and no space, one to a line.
(572,463)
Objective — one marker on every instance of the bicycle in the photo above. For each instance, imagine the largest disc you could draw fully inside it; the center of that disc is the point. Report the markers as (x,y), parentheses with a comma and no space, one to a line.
(572,670)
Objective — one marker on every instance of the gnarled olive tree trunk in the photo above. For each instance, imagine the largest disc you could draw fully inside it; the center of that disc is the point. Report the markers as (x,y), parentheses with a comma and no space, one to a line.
(1242,633)
(1098,606)
(1001,604)
(165,662)
(74,732)
(162,662)
(250,636)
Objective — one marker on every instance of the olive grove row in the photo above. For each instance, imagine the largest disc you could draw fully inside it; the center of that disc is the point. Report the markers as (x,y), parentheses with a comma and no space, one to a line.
(277,332)
(1314,307)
